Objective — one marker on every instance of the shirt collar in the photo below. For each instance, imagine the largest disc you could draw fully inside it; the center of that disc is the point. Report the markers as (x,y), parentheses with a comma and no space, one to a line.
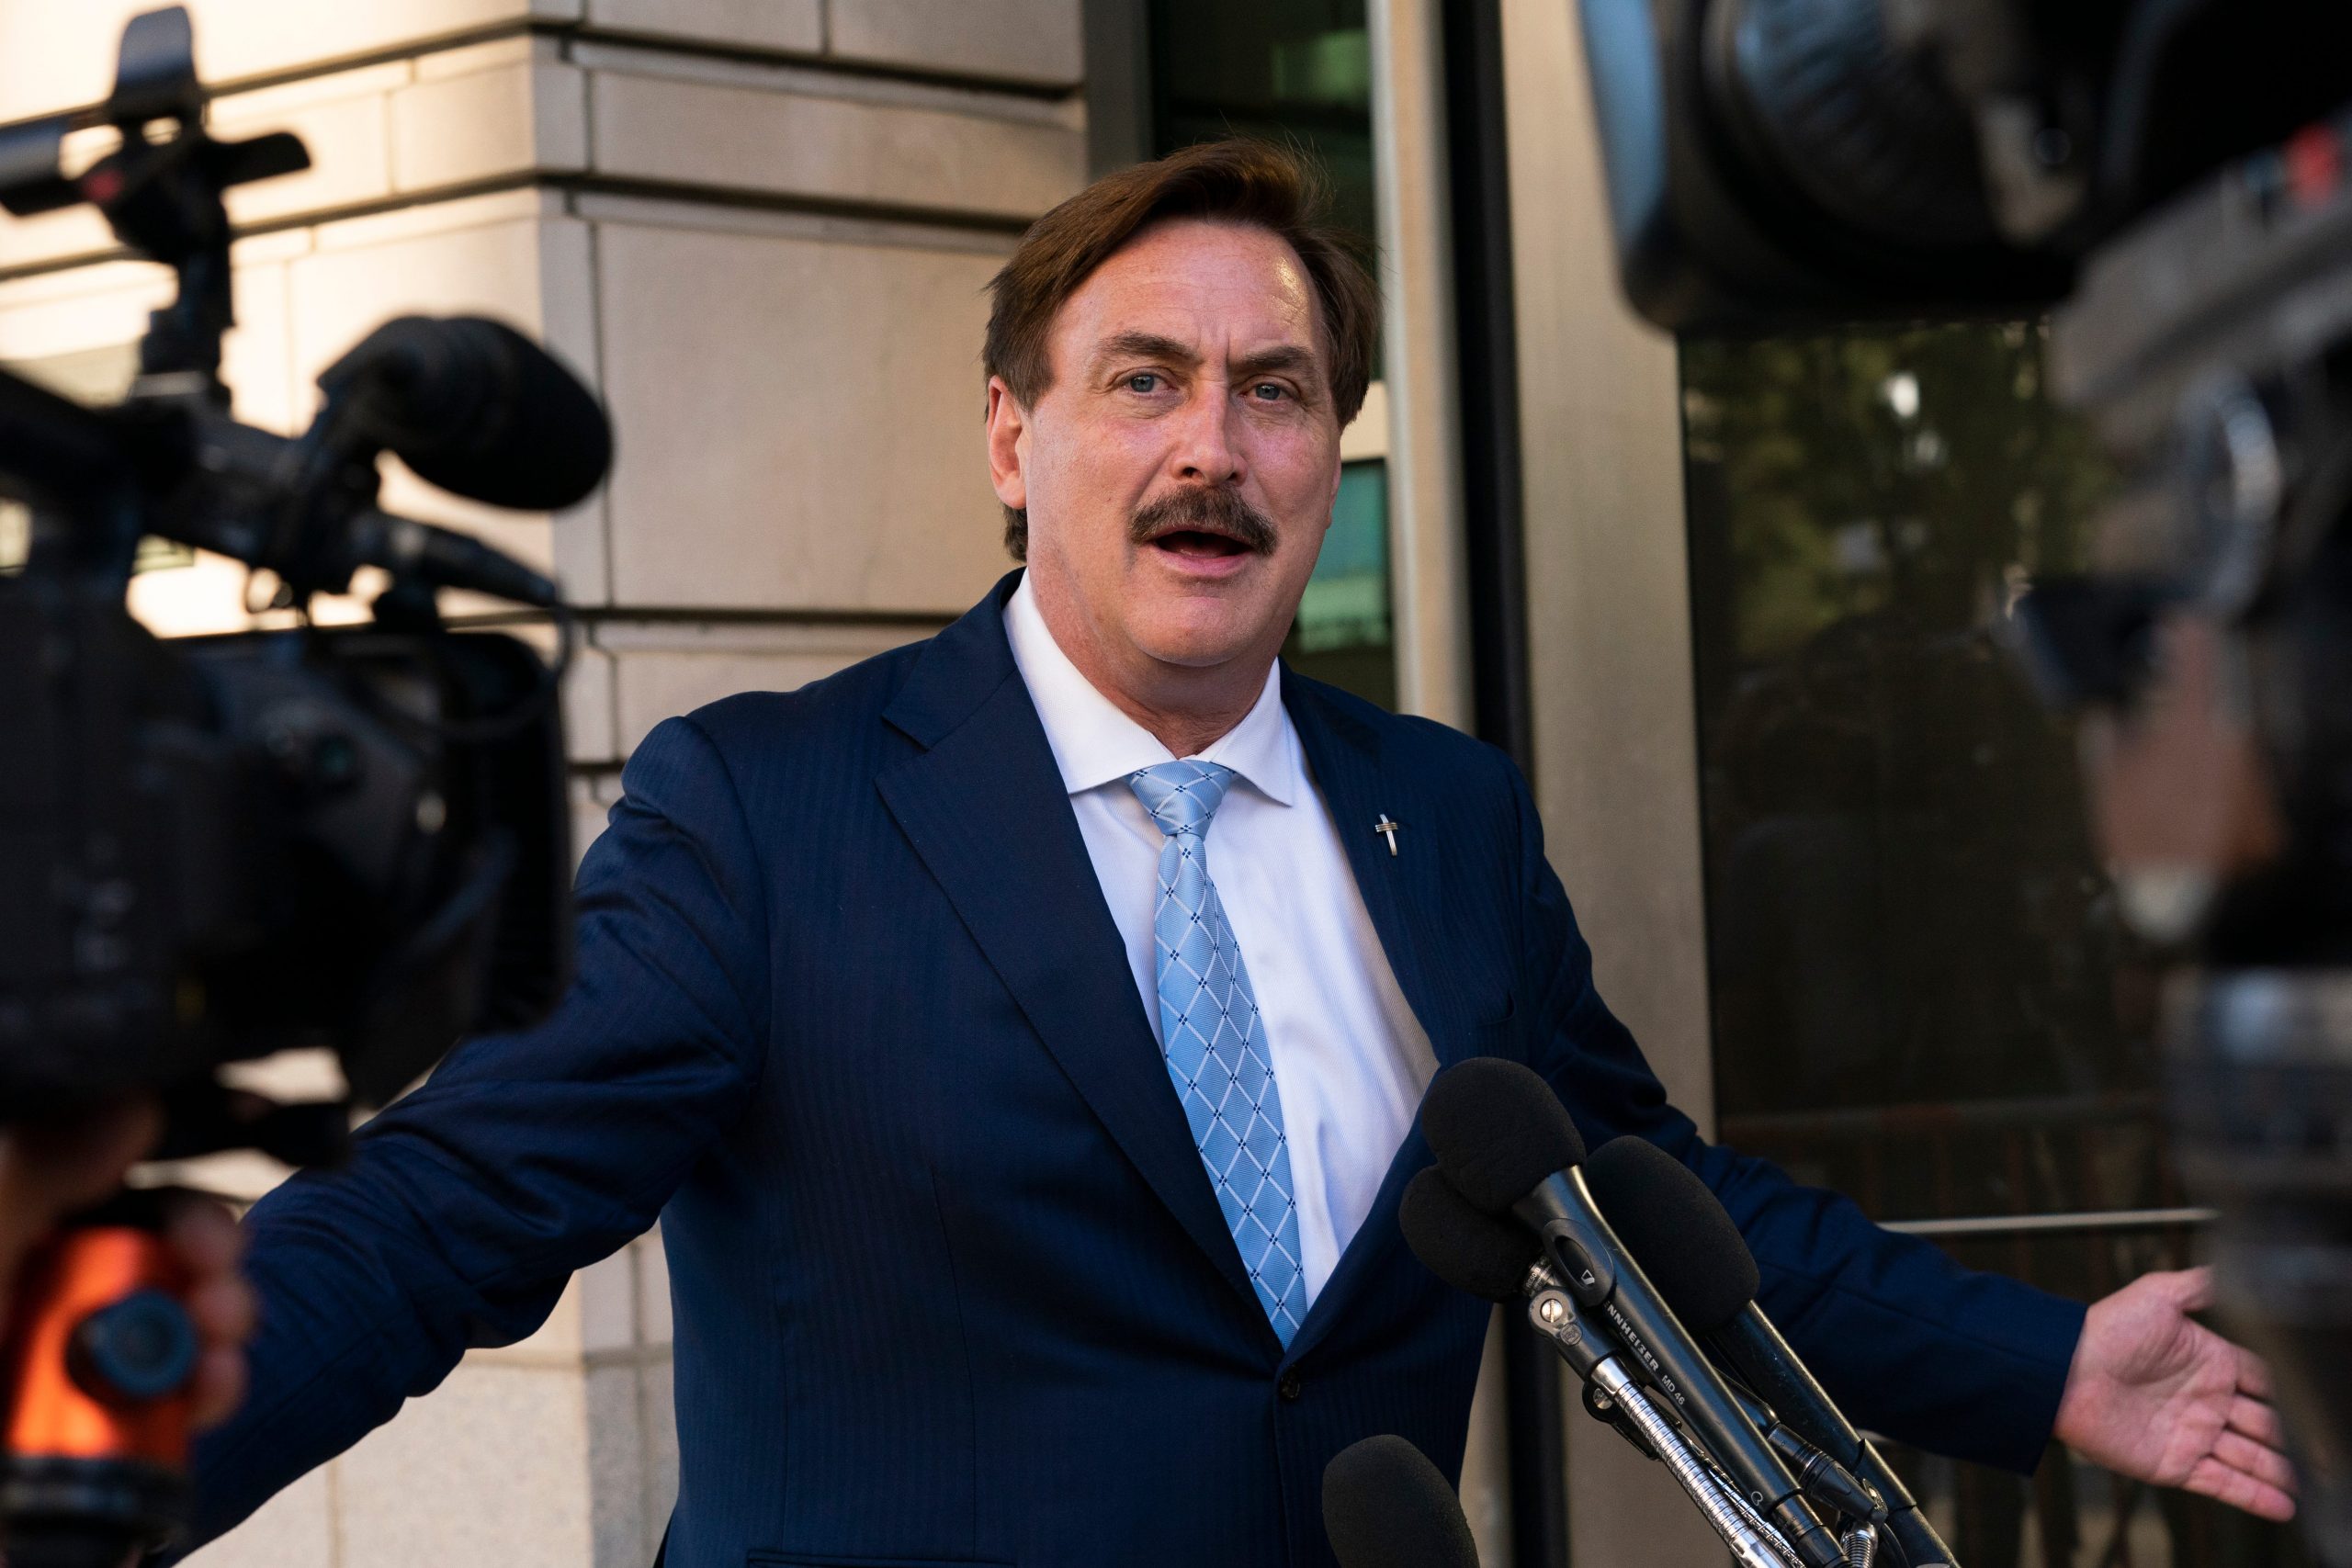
(1095,744)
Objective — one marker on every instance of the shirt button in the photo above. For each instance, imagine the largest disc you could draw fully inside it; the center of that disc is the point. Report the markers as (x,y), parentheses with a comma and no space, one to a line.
(1289,1387)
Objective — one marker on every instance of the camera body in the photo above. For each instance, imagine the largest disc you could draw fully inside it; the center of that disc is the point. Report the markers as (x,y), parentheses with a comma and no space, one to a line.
(225,847)
(212,850)
(216,848)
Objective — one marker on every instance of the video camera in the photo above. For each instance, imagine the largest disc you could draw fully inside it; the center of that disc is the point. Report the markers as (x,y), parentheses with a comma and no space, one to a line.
(216,848)
(2168,180)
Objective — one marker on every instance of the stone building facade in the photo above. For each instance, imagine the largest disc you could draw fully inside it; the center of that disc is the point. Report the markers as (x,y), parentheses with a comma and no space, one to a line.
(761,230)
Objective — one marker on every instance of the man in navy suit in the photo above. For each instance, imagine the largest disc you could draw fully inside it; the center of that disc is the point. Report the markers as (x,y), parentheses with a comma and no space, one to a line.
(1018,1035)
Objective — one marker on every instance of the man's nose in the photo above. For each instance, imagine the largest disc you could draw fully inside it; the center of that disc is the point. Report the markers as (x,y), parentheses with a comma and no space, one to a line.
(1206,452)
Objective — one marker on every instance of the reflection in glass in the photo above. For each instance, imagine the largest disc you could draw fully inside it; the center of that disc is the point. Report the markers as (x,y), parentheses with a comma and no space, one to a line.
(1921,990)
(1297,72)
(1342,633)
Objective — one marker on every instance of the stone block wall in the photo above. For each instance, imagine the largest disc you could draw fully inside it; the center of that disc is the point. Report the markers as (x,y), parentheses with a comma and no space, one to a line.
(761,230)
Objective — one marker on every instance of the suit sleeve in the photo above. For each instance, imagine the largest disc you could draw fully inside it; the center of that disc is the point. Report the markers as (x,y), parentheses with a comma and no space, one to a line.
(526,1157)
(1908,1342)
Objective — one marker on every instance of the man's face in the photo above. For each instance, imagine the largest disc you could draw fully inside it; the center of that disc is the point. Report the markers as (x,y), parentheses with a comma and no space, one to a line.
(1180,471)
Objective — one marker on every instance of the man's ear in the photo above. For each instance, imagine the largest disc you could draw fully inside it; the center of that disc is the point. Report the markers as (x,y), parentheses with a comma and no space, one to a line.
(1008,444)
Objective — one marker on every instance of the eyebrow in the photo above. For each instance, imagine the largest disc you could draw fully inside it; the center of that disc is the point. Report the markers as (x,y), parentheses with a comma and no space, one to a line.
(1152,345)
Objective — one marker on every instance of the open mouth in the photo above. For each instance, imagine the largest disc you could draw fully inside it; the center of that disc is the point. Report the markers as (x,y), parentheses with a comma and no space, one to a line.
(1199,543)
(1203,526)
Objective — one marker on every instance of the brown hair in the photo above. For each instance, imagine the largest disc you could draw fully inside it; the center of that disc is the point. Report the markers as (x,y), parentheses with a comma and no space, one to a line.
(1240,180)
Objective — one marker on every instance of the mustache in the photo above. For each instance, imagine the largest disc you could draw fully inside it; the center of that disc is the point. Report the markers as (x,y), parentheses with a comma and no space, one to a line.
(1205,510)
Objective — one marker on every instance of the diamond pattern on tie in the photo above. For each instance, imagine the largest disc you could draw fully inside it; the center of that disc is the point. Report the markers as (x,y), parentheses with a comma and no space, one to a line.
(1216,1043)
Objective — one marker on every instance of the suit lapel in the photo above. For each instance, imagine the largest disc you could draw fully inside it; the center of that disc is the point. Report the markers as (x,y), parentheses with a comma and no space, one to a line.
(1362,786)
(984,807)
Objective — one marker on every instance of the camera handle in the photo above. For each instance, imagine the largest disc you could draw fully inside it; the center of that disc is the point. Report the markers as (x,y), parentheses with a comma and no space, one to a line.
(95,1391)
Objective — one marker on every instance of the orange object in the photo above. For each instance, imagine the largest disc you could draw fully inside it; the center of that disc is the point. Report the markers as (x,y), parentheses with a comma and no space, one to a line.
(51,1408)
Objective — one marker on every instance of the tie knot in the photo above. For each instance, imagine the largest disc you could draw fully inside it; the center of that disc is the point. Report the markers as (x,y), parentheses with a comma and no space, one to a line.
(1182,796)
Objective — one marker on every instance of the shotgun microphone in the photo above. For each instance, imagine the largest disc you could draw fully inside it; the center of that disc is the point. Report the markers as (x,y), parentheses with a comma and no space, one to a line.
(1385,1505)
(1505,1142)
(1670,1221)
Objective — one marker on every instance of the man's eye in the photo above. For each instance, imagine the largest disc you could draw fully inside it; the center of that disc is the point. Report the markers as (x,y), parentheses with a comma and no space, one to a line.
(1270,392)
(1144,381)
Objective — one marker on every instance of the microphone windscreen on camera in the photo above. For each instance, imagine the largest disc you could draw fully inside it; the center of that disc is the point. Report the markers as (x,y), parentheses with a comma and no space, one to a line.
(1385,1505)
(478,408)
(1498,1131)
(1484,1254)
(1675,1229)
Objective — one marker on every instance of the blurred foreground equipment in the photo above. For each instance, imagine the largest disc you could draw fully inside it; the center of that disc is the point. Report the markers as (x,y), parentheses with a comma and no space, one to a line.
(2169,179)
(216,849)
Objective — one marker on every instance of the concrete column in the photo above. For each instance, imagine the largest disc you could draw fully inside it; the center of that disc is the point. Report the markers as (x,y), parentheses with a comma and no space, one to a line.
(1430,574)
(1616,774)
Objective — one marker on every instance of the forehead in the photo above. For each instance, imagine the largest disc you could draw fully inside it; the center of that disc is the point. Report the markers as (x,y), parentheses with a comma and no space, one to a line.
(1223,286)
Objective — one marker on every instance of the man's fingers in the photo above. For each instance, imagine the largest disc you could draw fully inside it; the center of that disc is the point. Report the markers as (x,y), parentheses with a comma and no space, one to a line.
(2191,1288)
(2254,1374)
(218,1388)
(2256,1420)
(204,1235)
(2261,1462)
(2239,1490)
(224,1310)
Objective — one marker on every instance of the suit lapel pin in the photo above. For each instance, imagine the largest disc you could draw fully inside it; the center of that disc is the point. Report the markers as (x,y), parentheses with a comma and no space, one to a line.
(1388,829)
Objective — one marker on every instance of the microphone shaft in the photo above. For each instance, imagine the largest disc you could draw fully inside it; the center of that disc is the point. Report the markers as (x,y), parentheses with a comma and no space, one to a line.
(1603,1276)
(1589,1349)
(1754,1346)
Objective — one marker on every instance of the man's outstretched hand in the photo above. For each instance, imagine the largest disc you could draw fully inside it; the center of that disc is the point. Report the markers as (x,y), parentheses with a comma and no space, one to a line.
(2157,1395)
(48,1172)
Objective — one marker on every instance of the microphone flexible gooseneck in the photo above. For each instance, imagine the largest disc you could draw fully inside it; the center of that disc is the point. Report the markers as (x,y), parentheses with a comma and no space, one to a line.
(1669,1220)
(1385,1505)
(1506,1143)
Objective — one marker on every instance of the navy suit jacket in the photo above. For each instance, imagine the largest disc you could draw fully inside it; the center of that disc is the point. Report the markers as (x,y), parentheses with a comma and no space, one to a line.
(852,1021)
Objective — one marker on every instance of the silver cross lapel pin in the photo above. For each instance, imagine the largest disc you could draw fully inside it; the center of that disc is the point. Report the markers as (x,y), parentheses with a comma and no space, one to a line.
(1389,828)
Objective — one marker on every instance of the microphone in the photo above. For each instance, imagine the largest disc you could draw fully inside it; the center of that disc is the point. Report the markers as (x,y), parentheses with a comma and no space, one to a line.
(1506,1143)
(1484,1254)
(1472,1251)
(1498,1261)
(1668,1218)
(1385,1506)
(474,407)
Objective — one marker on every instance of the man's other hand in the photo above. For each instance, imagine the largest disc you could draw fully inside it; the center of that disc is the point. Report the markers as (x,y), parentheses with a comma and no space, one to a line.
(48,1172)
(2157,1395)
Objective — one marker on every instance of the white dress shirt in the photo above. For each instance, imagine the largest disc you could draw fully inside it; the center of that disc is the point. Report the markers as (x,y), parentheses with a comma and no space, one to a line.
(1350,1058)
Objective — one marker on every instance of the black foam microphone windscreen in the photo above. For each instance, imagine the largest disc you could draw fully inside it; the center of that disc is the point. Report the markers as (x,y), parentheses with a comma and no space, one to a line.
(1385,1506)
(1675,1229)
(477,408)
(1498,1131)
(1484,1254)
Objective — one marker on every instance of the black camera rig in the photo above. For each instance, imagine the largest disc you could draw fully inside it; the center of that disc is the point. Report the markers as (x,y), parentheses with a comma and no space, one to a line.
(215,849)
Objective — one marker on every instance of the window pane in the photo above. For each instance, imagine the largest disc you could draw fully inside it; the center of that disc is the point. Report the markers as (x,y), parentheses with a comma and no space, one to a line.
(1295,71)
(1343,633)
(1921,989)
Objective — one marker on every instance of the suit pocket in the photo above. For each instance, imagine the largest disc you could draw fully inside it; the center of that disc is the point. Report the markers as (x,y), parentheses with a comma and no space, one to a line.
(835,1560)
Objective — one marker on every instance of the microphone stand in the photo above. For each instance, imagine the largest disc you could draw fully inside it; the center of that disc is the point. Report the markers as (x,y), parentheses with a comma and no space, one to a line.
(1590,1349)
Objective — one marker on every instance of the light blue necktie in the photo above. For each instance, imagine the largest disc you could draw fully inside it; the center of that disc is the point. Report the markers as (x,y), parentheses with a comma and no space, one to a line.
(1215,1044)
